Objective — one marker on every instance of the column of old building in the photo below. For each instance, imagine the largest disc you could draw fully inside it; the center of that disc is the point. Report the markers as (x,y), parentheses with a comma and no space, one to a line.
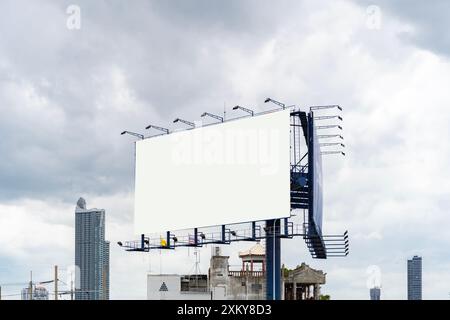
(316,292)
(294,288)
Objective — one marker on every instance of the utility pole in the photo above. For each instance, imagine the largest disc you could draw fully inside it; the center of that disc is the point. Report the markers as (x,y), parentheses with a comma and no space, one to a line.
(30,287)
(224,111)
(56,282)
(71,286)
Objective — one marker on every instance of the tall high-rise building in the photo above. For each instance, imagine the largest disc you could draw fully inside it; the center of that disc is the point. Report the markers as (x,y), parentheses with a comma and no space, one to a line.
(375,293)
(415,278)
(91,253)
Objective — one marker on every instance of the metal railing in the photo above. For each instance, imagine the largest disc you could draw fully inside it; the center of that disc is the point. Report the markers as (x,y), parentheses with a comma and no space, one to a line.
(245,273)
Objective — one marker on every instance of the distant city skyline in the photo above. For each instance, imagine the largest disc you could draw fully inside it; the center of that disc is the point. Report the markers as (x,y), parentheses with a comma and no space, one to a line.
(36,293)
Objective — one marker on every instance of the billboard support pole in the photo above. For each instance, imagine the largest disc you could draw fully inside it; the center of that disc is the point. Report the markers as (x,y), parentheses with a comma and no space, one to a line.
(142,241)
(286,227)
(168,239)
(223,234)
(273,260)
(253,230)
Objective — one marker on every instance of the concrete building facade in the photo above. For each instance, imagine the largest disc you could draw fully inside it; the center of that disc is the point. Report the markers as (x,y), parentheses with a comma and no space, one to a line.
(249,283)
(220,283)
(302,283)
(176,287)
(245,283)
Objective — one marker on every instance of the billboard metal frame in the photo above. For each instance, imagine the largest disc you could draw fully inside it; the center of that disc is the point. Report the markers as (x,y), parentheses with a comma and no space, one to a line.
(320,246)
(315,243)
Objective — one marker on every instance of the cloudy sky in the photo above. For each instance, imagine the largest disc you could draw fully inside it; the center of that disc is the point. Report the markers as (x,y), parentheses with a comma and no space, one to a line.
(67,93)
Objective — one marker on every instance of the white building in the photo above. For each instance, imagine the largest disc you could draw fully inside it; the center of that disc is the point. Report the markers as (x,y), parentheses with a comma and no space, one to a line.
(39,293)
(176,287)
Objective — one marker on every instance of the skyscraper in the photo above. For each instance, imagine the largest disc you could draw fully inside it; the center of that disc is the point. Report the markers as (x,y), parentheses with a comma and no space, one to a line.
(415,278)
(91,253)
(375,293)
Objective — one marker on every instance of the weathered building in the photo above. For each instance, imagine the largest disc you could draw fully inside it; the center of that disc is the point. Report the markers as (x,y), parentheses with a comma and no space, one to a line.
(302,283)
(246,284)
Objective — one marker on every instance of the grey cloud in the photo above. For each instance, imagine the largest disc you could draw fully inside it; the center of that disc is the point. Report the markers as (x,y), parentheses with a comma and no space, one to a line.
(429,19)
(169,54)
(66,95)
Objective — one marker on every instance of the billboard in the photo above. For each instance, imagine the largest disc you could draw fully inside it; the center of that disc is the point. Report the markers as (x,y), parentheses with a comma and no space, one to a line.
(232,172)
(315,178)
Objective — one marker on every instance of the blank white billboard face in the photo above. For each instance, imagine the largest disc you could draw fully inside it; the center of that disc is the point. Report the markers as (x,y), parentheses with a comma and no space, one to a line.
(237,171)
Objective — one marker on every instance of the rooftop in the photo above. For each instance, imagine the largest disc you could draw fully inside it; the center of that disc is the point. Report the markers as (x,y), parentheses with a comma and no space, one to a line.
(256,250)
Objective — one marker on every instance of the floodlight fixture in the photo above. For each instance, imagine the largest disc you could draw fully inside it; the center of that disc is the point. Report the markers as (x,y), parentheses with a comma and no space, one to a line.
(244,109)
(140,136)
(326,136)
(332,152)
(332,144)
(212,116)
(328,117)
(185,122)
(329,127)
(157,128)
(278,103)
(120,243)
(326,107)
